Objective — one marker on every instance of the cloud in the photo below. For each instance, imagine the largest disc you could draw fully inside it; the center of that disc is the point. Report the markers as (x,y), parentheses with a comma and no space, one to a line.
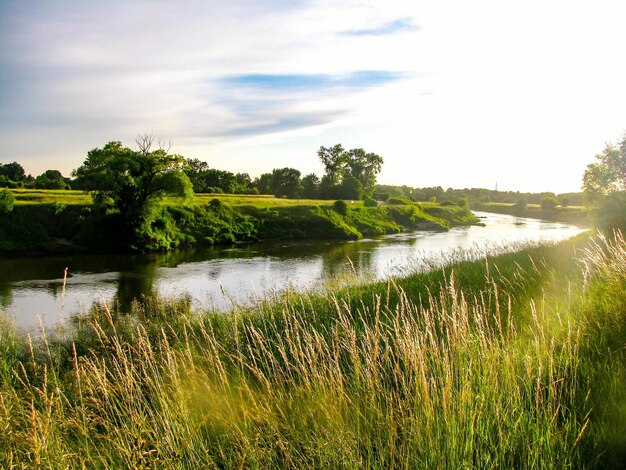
(285,122)
(401,25)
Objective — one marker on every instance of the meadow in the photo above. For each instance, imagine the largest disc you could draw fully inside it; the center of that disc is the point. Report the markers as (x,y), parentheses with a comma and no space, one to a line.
(514,361)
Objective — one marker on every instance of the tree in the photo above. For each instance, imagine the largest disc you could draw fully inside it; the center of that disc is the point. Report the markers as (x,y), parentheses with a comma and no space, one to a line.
(132,181)
(286,182)
(333,159)
(310,186)
(263,183)
(604,184)
(343,168)
(51,179)
(6,201)
(364,167)
(195,169)
(12,171)
(549,203)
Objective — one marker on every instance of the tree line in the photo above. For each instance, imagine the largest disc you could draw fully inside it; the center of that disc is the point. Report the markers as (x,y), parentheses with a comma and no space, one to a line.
(348,174)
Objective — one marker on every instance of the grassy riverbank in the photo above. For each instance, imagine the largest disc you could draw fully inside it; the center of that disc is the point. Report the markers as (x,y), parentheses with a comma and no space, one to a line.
(62,221)
(512,362)
(577,215)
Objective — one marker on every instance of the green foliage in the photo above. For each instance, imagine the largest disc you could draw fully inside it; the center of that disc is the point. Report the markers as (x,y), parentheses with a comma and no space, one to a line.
(549,203)
(13,172)
(310,186)
(51,179)
(349,173)
(341,207)
(520,206)
(398,201)
(370,202)
(133,181)
(604,184)
(6,201)
(285,182)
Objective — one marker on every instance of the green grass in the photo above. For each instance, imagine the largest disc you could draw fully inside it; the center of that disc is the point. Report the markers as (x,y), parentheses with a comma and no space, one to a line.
(516,361)
(50,196)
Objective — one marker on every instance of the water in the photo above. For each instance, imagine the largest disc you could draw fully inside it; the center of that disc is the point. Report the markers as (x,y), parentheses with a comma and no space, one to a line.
(32,293)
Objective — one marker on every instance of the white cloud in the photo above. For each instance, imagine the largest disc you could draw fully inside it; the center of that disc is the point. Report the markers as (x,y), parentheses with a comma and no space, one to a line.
(519,93)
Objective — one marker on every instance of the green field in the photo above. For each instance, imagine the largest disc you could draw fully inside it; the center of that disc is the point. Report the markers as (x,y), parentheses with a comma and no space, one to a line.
(71,197)
(517,361)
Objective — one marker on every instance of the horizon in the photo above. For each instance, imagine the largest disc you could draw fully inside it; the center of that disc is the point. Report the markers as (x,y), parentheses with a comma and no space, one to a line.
(448,94)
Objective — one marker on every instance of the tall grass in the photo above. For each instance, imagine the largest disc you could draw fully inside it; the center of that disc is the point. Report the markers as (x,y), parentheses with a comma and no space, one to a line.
(461,378)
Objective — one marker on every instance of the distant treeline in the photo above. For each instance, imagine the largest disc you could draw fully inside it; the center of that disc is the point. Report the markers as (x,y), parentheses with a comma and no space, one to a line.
(288,182)
(476,195)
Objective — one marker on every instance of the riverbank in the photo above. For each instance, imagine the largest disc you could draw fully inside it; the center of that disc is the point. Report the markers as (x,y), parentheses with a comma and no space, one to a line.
(515,361)
(62,222)
(577,215)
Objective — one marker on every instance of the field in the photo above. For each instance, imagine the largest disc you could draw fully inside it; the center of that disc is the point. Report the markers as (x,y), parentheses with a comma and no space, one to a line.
(516,361)
(70,197)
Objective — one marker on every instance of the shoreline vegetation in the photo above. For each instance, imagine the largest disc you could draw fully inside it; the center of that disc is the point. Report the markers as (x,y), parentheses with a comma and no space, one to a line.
(576,215)
(513,361)
(48,221)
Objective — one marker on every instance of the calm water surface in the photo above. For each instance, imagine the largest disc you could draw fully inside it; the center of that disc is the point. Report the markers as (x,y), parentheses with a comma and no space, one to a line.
(31,289)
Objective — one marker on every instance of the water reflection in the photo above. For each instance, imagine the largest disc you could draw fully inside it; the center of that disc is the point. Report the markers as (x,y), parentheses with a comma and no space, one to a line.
(214,277)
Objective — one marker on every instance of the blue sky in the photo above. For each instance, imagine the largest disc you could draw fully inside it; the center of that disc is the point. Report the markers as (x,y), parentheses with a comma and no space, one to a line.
(450,93)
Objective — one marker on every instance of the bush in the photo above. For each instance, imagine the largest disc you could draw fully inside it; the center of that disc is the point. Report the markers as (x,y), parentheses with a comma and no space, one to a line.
(549,203)
(369,202)
(520,206)
(398,201)
(341,207)
(6,201)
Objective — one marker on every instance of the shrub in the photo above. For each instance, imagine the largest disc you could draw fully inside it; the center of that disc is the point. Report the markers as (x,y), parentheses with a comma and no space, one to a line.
(398,201)
(6,201)
(549,203)
(520,206)
(341,207)
(369,202)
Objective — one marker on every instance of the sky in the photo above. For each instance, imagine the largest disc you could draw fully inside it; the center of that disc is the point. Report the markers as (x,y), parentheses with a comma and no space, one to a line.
(451,93)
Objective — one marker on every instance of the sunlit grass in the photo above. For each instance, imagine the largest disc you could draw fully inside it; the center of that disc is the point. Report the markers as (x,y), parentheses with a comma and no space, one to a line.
(480,369)
(50,196)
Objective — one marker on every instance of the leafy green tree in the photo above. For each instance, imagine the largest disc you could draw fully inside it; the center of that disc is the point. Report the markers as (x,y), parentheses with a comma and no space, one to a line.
(195,170)
(244,183)
(6,201)
(333,159)
(549,203)
(263,183)
(604,184)
(225,180)
(286,183)
(51,179)
(364,167)
(310,186)
(12,171)
(344,167)
(133,181)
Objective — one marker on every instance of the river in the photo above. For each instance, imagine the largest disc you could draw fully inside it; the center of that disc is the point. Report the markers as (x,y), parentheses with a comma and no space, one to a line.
(33,291)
